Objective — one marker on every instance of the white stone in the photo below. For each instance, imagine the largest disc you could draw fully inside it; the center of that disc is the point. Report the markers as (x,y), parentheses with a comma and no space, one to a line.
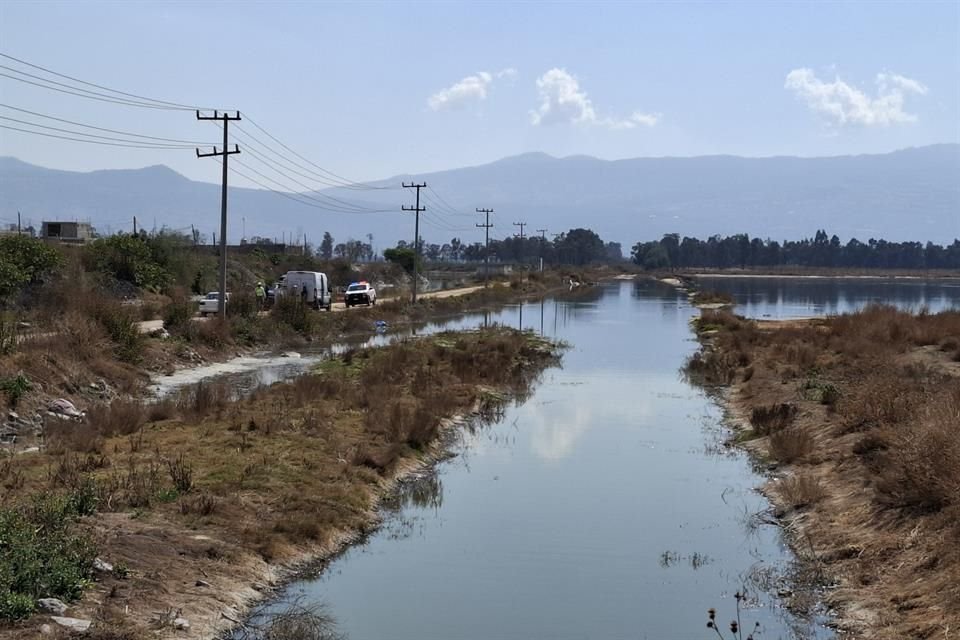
(74,624)
(52,605)
(102,566)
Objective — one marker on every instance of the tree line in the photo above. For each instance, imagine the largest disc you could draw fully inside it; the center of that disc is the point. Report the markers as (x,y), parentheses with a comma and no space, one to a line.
(740,250)
(573,247)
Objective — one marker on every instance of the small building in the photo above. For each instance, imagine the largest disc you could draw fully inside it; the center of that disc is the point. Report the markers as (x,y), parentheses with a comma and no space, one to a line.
(70,232)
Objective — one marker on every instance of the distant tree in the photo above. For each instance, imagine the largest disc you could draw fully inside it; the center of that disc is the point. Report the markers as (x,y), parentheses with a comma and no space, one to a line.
(579,247)
(326,246)
(402,256)
(129,258)
(822,250)
(614,252)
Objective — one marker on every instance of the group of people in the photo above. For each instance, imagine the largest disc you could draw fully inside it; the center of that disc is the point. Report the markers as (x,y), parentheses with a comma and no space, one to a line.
(260,293)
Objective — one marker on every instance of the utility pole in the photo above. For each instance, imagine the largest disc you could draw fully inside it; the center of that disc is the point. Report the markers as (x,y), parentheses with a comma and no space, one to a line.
(18,222)
(134,225)
(543,241)
(520,235)
(416,230)
(226,153)
(486,251)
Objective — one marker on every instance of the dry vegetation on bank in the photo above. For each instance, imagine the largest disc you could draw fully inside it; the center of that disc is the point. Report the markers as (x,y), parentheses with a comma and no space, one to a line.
(196,498)
(83,344)
(861,413)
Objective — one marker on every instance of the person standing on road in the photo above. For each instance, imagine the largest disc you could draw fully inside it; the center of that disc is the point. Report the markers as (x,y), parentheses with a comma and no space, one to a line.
(303,294)
(261,295)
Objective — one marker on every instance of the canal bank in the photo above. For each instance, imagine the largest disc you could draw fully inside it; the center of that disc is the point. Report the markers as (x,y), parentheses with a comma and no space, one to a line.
(604,505)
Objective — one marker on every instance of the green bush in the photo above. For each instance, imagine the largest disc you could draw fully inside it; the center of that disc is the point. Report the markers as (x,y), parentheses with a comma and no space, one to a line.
(121,324)
(43,553)
(178,313)
(23,261)
(290,311)
(129,259)
(15,388)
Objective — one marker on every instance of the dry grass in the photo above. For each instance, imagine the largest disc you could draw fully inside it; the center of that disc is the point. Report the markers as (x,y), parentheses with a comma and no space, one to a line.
(773,418)
(800,491)
(873,441)
(790,444)
(290,469)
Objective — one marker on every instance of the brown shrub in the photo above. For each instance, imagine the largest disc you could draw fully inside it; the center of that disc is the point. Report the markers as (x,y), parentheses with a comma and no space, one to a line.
(203,399)
(920,468)
(61,436)
(771,418)
(119,418)
(203,504)
(790,444)
(712,367)
(136,486)
(160,410)
(800,490)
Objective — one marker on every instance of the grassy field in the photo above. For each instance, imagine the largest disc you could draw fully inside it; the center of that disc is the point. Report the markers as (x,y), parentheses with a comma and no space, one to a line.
(859,415)
(195,499)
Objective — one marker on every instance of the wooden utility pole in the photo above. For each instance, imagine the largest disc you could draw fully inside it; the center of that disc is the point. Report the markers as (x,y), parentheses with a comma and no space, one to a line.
(18,222)
(134,225)
(226,153)
(486,251)
(416,230)
(543,241)
(521,236)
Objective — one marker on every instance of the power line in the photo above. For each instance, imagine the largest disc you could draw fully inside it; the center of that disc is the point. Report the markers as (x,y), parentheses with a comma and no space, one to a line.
(330,173)
(108,144)
(97,86)
(94,135)
(446,205)
(93,95)
(329,207)
(347,207)
(284,194)
(90,126)
(132,99)
(310,175)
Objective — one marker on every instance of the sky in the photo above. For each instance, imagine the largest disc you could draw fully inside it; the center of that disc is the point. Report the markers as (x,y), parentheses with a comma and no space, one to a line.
(371,90)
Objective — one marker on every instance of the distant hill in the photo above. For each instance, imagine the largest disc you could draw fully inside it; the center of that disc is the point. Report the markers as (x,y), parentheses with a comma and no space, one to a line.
(912,194)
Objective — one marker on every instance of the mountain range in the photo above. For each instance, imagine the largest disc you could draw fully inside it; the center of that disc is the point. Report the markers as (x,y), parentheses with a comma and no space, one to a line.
(911,194)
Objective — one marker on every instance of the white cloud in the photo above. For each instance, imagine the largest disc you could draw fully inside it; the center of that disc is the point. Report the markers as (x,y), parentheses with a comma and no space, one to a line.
(563,101)
(843,104)
(471,89)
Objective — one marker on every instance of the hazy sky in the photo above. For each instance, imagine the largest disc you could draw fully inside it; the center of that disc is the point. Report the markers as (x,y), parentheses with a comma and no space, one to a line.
(370,90)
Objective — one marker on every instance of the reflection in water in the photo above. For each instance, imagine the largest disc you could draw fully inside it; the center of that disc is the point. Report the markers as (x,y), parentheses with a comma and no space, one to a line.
(552,522)
(556,515)
(795,297)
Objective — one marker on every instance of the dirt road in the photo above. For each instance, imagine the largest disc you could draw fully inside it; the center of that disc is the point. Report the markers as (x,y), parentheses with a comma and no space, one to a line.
(149,326)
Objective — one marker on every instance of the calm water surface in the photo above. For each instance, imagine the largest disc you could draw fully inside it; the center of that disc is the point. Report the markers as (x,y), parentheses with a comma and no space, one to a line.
(602,506)
(779,297)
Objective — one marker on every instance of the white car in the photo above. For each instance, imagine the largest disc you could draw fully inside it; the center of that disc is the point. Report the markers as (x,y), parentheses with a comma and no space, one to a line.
(360,293)
(210,303)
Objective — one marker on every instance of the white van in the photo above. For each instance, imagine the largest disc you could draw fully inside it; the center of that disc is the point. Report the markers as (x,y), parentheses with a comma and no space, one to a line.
(316,285)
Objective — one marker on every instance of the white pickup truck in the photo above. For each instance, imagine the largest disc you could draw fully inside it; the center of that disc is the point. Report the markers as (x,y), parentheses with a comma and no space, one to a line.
(209,304)
(360,293)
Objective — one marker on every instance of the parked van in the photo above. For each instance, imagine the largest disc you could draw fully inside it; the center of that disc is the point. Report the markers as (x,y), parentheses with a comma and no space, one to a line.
(318,293)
